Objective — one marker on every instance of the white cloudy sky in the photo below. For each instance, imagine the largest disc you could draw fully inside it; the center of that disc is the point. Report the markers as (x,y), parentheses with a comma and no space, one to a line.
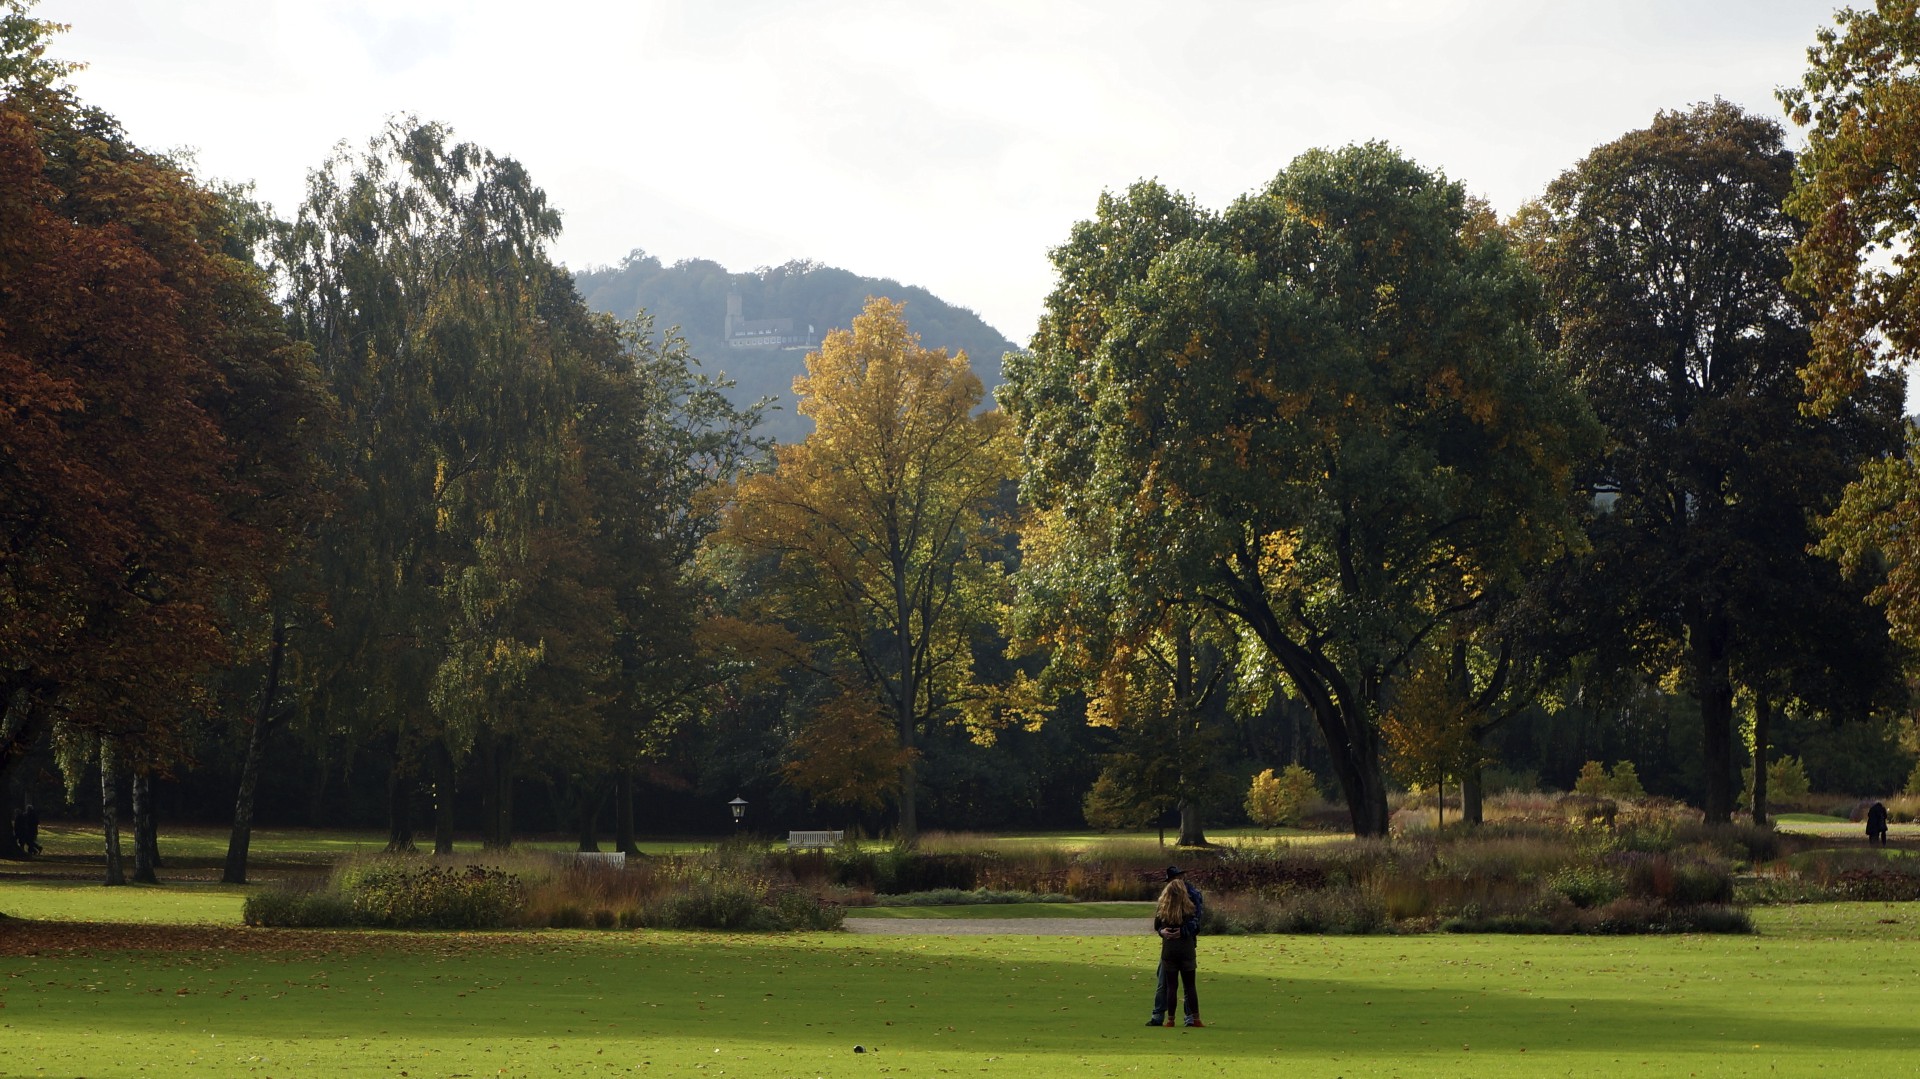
(947,143)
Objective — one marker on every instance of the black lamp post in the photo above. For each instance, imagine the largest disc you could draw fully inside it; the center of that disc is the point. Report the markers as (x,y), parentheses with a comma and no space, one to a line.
(739,808)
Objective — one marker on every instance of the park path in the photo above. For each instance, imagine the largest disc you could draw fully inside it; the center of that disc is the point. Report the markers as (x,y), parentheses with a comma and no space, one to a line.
(1031,927)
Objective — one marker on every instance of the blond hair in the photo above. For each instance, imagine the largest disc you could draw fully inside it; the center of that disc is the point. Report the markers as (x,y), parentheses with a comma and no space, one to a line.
(1176,905)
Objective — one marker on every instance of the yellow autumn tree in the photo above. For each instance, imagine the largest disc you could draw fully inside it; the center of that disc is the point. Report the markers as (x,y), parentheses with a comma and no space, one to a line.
(1280,799)
(884,525)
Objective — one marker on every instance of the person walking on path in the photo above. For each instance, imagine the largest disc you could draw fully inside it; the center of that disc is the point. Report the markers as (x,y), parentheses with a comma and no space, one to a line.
(1176,921)
(1877,824)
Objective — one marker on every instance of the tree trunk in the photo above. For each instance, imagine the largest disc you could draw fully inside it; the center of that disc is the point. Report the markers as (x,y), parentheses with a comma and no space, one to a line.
(241,838)
(1186,704)
(399,809)
(317,810)
(1762,719)
(443,787)
(19,730)
(623,837)
(1472,797)
(1710,645)
(586,811)
(1191,833)
(1354,751)
(909,823)
(909,695)
(242,835)
(110,813)
(146,841)
(497,796)
(1353,745)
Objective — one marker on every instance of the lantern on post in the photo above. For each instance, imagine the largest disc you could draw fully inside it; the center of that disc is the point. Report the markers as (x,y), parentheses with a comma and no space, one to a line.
(739,808)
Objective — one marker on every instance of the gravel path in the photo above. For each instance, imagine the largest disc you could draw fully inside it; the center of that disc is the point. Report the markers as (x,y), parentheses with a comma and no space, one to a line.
(979,927)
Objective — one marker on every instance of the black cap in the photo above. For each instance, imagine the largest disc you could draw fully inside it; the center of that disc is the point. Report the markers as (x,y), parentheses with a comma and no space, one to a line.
(1174,871)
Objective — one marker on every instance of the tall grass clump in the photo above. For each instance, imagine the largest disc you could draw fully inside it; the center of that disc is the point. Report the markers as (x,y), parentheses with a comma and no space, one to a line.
(1860,873)
(731,887)
(396,893)
(1556,868)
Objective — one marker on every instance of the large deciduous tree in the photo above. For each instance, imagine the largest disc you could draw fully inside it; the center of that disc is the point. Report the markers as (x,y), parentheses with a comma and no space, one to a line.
(1665,255)
(464,610)
(883,526)
(1857,189)
(154,408)
(1319,413)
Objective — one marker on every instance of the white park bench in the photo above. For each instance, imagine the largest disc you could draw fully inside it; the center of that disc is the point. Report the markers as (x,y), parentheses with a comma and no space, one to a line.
(813,840)
(601,859)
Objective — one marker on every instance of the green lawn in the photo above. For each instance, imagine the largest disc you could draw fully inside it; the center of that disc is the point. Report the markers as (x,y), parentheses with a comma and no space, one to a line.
(1820,824)
(140,904)
(1823,990)
(202,846)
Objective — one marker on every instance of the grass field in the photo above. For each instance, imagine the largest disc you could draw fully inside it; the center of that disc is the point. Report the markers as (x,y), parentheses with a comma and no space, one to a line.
(161,981)
(1823,990)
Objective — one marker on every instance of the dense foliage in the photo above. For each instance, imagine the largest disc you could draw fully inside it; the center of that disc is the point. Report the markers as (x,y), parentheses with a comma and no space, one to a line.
(1318,415)
(376,515)
(1664,254)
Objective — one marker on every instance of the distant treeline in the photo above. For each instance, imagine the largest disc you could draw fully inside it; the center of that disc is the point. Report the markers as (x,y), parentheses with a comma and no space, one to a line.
(692,295)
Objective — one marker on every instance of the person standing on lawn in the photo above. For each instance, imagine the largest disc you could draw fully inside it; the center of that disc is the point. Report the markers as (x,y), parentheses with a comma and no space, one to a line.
(1176,921)
(26,830)
(1877,824)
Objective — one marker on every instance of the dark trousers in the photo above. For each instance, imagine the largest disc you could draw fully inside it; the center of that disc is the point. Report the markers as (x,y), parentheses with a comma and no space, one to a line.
(1166,989)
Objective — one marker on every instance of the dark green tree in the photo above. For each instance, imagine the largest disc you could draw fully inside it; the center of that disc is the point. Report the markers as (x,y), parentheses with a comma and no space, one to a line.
(1665,254)
(454,571)
(1319,413)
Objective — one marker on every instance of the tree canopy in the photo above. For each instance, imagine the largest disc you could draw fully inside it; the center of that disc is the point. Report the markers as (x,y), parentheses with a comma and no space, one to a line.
(157,434)
(1320,413)
(1665,255)
(882,527)
(1857,190)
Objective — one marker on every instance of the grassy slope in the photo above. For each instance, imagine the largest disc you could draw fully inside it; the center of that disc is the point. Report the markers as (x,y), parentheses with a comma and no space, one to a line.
(1822,991)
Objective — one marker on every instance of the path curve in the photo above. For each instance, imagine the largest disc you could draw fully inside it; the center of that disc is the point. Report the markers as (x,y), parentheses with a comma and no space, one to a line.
(1030,927)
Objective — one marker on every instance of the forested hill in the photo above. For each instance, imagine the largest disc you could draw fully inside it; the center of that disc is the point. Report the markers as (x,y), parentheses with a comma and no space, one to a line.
(692,295)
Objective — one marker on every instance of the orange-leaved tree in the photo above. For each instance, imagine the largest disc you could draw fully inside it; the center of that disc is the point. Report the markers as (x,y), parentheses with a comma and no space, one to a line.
(152,403)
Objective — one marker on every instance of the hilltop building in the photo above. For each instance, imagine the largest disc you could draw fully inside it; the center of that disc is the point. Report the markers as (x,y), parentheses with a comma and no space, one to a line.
(762,332)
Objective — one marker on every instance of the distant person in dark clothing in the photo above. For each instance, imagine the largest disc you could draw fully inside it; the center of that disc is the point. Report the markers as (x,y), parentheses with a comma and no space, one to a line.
(1176,921)
(26,830)
(1877,824)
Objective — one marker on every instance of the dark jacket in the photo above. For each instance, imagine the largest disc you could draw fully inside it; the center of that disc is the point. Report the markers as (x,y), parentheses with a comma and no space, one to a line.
(1177,953)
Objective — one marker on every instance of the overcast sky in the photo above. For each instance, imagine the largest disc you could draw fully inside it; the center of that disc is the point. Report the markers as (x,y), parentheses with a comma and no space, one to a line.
(945,144)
